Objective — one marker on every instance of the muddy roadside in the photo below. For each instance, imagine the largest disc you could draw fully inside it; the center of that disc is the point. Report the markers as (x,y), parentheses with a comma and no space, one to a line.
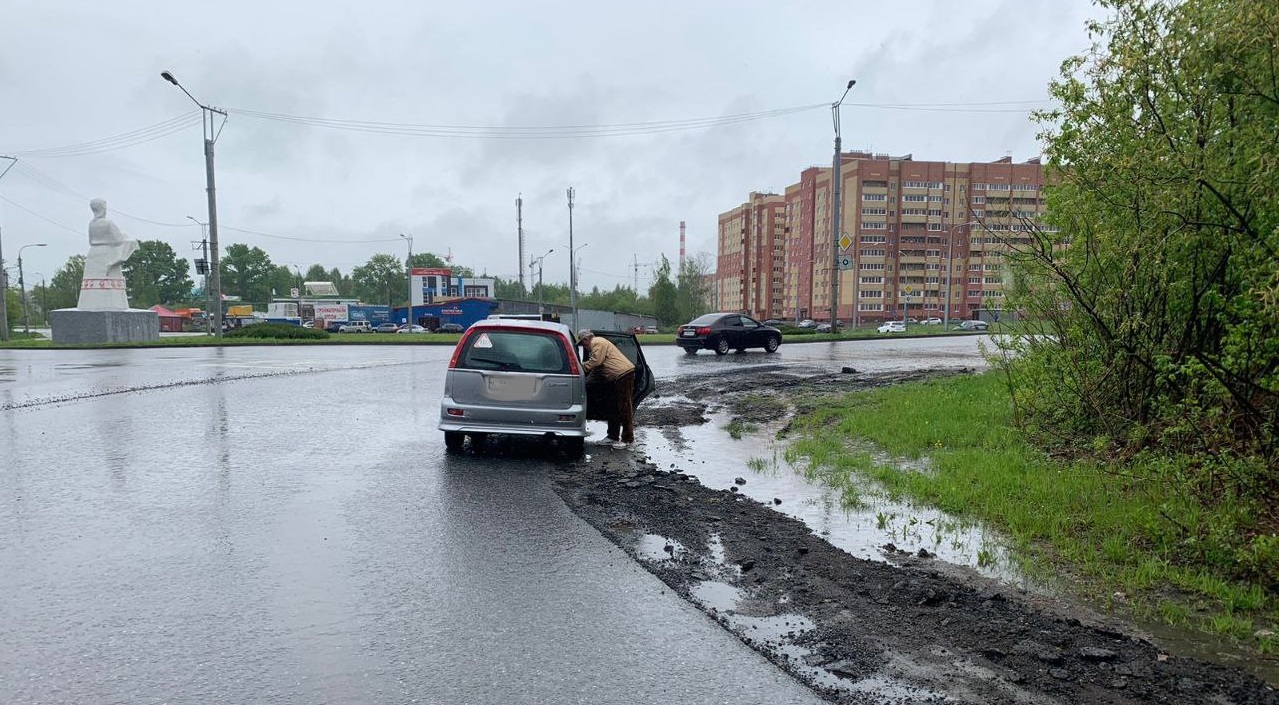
(856,630)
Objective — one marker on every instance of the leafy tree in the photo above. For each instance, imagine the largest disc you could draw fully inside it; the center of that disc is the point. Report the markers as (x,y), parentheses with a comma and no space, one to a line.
(1156,280)
(692,288)
(341,281)
(316,273)
(662,294)
(381,279)
(247,272)
(155,274)
(13,307)
(427,259)
(64,288)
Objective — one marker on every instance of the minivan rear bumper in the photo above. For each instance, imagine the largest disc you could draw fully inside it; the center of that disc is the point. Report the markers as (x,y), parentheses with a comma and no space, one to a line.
(513,420)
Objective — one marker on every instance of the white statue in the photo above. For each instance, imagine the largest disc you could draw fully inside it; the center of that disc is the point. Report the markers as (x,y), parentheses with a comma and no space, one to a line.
(102,288)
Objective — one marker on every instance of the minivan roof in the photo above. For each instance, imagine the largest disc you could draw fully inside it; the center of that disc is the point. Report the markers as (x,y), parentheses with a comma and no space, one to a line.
(516,323)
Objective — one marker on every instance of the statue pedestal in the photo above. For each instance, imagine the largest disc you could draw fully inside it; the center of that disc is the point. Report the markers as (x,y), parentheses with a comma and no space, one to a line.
(73,326)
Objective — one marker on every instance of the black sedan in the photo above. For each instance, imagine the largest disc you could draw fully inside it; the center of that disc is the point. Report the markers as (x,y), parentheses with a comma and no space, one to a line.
(722,332)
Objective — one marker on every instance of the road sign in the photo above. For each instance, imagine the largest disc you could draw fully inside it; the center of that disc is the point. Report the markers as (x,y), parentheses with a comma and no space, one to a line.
(845,242)
(293,292)
(845,262)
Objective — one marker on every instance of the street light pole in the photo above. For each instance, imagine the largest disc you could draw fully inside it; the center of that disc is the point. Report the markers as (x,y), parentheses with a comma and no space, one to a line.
(408,270)
(572,266)
(208,295)
(22,291)
(4,278)
(210,137)
(835,222)
(950,266)
(540,291)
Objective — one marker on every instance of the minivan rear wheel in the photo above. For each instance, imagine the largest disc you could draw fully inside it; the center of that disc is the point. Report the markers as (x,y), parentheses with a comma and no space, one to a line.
(721,346)
(453,440)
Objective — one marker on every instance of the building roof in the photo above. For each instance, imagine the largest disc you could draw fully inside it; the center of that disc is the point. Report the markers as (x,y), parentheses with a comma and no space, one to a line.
(164,312)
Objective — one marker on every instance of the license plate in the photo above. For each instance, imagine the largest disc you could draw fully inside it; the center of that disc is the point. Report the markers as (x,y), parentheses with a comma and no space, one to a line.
(689,334)
(512,388)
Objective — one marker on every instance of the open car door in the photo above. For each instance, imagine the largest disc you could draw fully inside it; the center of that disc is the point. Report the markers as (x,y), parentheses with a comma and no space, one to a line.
(599,395)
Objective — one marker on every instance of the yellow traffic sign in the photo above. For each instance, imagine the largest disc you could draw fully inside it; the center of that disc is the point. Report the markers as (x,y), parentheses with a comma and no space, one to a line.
(845,242)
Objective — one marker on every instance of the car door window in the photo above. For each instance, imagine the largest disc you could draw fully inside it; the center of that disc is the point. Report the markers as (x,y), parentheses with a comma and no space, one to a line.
(629,345)
(748,323)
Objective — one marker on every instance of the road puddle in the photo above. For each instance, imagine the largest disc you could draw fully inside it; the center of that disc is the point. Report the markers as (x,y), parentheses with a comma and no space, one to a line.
(863,528)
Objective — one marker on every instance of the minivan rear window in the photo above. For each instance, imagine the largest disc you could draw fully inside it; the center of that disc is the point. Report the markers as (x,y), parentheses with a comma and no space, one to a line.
(514,351)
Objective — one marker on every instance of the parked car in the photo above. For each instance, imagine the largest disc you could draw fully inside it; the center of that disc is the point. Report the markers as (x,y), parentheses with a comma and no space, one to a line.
(308,324)
(892,327)
(722,332)
(971,325)
(931,321)
(415,328)
(774,322)
(644,330)
(450,328)
(808,323)
(912,320)
(356,327)
(524,378)
(386,328)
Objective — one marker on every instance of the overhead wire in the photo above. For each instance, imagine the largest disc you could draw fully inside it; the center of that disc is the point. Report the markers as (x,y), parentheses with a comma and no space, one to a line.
(50,221)
(125,139)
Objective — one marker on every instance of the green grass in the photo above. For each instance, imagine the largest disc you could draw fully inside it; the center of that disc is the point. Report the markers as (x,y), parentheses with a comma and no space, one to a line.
(1097,524)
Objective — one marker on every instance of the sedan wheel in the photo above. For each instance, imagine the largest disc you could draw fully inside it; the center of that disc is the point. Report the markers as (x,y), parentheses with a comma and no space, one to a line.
(721,346)
(773,343)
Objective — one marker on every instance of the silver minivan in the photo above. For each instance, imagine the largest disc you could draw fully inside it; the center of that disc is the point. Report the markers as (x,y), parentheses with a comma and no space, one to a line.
(520,377)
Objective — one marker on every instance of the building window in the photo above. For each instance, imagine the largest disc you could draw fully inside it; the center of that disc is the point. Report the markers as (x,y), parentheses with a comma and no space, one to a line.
(934,226)
(935,213)
(872,280)
(872,253)
(870,307)
(979,187)
(873,294)
(914,198)
(874,211)
(874,197)
(871,266)
(875,226)
(935,199)
(872,239)
(914,211)
(874,184)
(979,200)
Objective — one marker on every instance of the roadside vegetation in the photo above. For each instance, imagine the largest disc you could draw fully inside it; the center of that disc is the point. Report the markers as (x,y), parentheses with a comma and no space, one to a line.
(1104,525)
(1133,430)
(276,331)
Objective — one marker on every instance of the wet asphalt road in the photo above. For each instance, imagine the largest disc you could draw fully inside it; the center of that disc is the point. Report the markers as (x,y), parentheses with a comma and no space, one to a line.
(282,525)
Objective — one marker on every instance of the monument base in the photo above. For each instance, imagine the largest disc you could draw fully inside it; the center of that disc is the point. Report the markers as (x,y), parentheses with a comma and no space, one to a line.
(73,326)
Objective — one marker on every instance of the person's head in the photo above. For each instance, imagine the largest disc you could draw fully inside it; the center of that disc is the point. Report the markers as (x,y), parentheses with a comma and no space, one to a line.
(98,206)
(585,335)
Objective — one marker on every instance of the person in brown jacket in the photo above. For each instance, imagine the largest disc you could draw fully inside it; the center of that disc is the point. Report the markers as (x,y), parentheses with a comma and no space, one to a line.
(606,361)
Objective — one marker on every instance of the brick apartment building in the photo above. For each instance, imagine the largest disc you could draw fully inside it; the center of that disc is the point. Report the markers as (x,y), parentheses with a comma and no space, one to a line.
(750,255)
(920,235)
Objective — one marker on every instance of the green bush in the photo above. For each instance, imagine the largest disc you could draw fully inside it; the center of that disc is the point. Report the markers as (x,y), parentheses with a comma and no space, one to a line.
(277,331)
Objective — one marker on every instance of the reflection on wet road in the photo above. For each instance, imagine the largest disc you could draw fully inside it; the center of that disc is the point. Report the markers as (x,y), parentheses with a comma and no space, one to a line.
(283,525)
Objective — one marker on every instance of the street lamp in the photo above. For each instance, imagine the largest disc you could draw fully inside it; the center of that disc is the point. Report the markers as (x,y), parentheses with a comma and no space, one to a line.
(210,136)
(835,230)
(208,295)
(572,267)
(408,269)
(950,266)
(4,279)
(540,291)
(22,288)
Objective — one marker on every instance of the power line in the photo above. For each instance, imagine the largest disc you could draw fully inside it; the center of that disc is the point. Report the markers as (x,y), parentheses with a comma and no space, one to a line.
(125,139)
(309,239)
(521,132)
(42,179)
(19,206)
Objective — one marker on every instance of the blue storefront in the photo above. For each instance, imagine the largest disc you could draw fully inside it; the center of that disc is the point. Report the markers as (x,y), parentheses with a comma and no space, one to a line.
(461,311)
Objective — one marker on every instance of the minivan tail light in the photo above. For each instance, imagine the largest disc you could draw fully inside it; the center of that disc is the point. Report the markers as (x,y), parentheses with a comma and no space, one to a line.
(457,352)
(704,330)
(455,412)
(573,367)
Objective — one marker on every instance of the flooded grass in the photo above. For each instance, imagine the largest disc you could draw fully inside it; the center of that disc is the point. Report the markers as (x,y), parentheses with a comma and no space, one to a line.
(1091,522)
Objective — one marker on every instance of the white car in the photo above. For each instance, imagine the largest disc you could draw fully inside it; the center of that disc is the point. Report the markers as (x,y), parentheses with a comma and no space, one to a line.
(356,327)
(415,328)
(892,327)
(808,323)
(931,321)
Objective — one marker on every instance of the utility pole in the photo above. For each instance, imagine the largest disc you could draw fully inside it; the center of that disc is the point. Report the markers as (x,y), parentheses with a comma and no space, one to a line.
(572,266)
(4,277)
(211,133)
(540,290)
(835,222)
(202,267)
(519,229)
(408,269)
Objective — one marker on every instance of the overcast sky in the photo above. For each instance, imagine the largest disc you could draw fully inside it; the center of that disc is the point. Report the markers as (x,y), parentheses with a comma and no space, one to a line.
(74,72)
